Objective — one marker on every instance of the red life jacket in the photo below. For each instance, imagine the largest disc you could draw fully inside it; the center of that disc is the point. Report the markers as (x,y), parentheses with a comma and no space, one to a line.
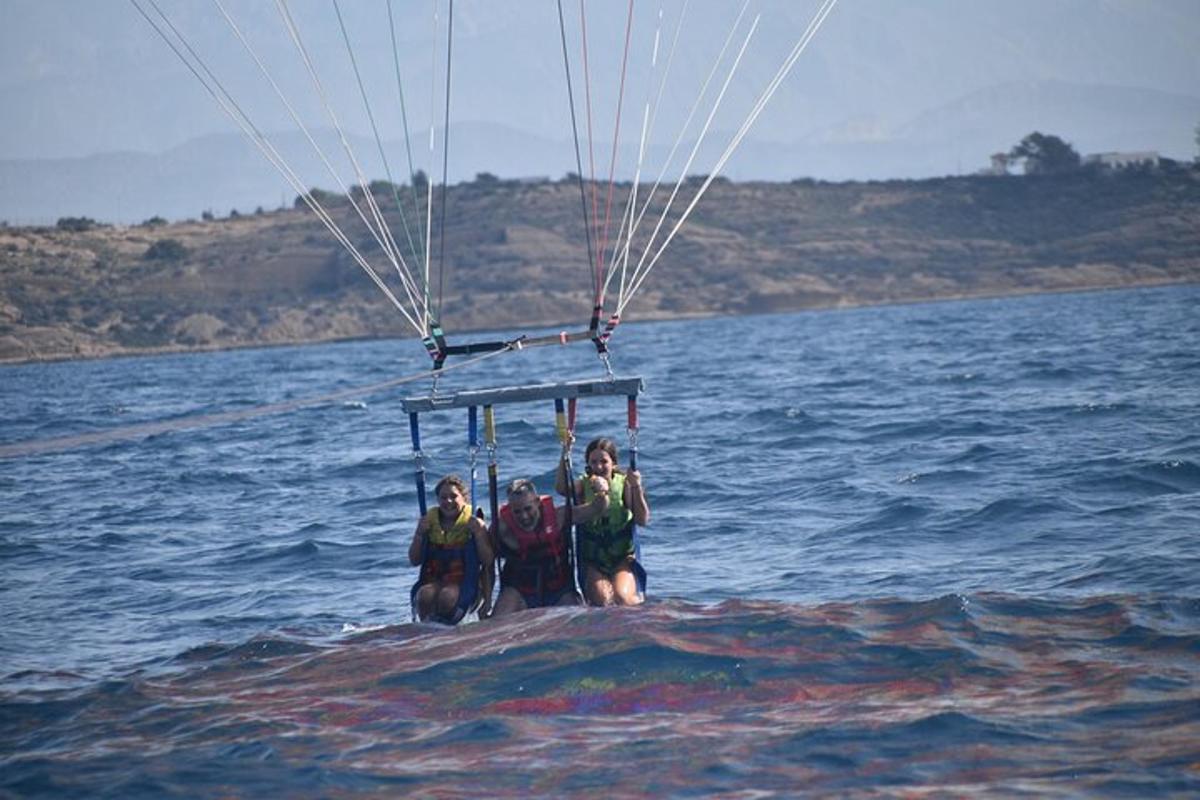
(540,563)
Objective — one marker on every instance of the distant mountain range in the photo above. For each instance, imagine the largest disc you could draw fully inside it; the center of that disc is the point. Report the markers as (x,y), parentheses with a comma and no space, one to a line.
(223,171)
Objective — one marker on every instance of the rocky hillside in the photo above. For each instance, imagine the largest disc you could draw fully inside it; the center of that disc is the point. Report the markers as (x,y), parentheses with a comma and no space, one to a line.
(515,255)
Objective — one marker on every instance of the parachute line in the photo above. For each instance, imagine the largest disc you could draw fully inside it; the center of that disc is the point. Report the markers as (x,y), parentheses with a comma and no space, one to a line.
(362,90)
(587,228)
(407,139)
(801,45)
(231,108)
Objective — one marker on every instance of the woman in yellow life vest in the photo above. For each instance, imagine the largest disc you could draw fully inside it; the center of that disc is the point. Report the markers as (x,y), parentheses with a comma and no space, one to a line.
(457,563)
(606,546)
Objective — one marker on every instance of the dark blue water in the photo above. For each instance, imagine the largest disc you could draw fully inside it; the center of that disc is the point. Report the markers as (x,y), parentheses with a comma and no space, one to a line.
(949,547)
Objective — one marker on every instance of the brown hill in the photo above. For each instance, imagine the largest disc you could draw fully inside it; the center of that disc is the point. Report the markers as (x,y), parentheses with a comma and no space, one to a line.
(515,255)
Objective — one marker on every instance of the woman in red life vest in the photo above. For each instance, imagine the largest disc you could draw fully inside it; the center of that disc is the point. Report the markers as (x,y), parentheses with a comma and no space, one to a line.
(439,547)
(606,544)
(534,540)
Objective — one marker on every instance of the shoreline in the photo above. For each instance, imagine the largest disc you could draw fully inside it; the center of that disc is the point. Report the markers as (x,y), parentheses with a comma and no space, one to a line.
(683,316)
(82,291)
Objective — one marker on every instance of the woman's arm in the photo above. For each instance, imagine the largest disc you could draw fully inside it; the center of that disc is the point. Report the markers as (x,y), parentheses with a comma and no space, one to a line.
(635,498)
(599,505)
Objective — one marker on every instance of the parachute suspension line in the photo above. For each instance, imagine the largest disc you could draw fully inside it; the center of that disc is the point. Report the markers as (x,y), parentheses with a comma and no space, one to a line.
(695,149)
(374,128)
(612,164)
(587,94)
(662,84)
(445,161)
(433,72)
(382,235)
(225,100)
(631,200)
(407,143)
(641,269)
(366,104)
(801,45)
(691,115)
(587,228)
(405,279)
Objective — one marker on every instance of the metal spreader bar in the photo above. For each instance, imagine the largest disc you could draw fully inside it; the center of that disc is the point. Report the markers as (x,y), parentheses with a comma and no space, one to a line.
(628,387)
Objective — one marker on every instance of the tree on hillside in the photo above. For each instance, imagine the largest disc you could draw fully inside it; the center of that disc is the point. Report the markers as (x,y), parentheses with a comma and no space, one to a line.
(170,250)
(76,224)
(1046,155)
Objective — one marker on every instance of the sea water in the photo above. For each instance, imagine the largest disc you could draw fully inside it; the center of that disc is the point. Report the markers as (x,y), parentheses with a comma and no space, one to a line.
(946,548)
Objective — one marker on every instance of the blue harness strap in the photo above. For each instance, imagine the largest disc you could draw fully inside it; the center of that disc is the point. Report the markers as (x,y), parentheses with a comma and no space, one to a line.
(639,573)
(468,590)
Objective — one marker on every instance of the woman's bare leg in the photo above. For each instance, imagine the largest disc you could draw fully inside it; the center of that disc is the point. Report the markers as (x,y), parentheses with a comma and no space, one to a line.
(510,601)
(425,600)
(447,599)
(598,587)
(625,586)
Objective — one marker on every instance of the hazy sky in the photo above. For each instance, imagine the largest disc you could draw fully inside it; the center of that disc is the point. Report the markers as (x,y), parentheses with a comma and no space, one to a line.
(80,76)
(887,87)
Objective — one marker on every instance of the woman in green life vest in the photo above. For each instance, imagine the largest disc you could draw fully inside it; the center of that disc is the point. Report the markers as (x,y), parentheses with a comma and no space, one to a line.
(606,547)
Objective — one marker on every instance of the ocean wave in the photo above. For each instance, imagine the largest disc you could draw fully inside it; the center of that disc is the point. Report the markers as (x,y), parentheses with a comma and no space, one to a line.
(840,696)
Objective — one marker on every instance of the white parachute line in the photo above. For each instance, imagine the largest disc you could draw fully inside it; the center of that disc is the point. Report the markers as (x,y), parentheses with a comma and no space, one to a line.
(692,156)
(433,72)
(662,85)
(626,215)
(387,168)
(801,45)
(407,141)
(382,235)
(688,121)
(622,252)
(406,280)
(230,106)
(387,243)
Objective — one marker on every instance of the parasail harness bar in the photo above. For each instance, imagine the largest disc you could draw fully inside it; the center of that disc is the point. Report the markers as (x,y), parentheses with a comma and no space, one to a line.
(629,387)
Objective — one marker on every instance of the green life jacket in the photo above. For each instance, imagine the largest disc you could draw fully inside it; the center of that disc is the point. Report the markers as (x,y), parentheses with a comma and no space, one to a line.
(607,541)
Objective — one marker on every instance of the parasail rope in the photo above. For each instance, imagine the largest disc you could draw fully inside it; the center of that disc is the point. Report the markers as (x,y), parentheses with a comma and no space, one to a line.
(433,73)
(587,228)
(587,93)
(688,121)
(383,236)
(405,277)
(692,156)
(647,122)
(801,45)
(225,100)
(407,139)
(60,444)
(612,165)
(445,160)
(362,90)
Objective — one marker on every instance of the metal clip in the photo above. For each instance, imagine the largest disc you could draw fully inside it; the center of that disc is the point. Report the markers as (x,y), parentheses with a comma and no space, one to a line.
(607,366)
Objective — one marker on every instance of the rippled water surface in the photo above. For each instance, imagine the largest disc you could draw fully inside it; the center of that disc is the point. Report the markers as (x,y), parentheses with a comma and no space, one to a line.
(947,548)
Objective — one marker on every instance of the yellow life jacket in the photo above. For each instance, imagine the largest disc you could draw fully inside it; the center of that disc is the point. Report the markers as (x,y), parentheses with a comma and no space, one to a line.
(458,534)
